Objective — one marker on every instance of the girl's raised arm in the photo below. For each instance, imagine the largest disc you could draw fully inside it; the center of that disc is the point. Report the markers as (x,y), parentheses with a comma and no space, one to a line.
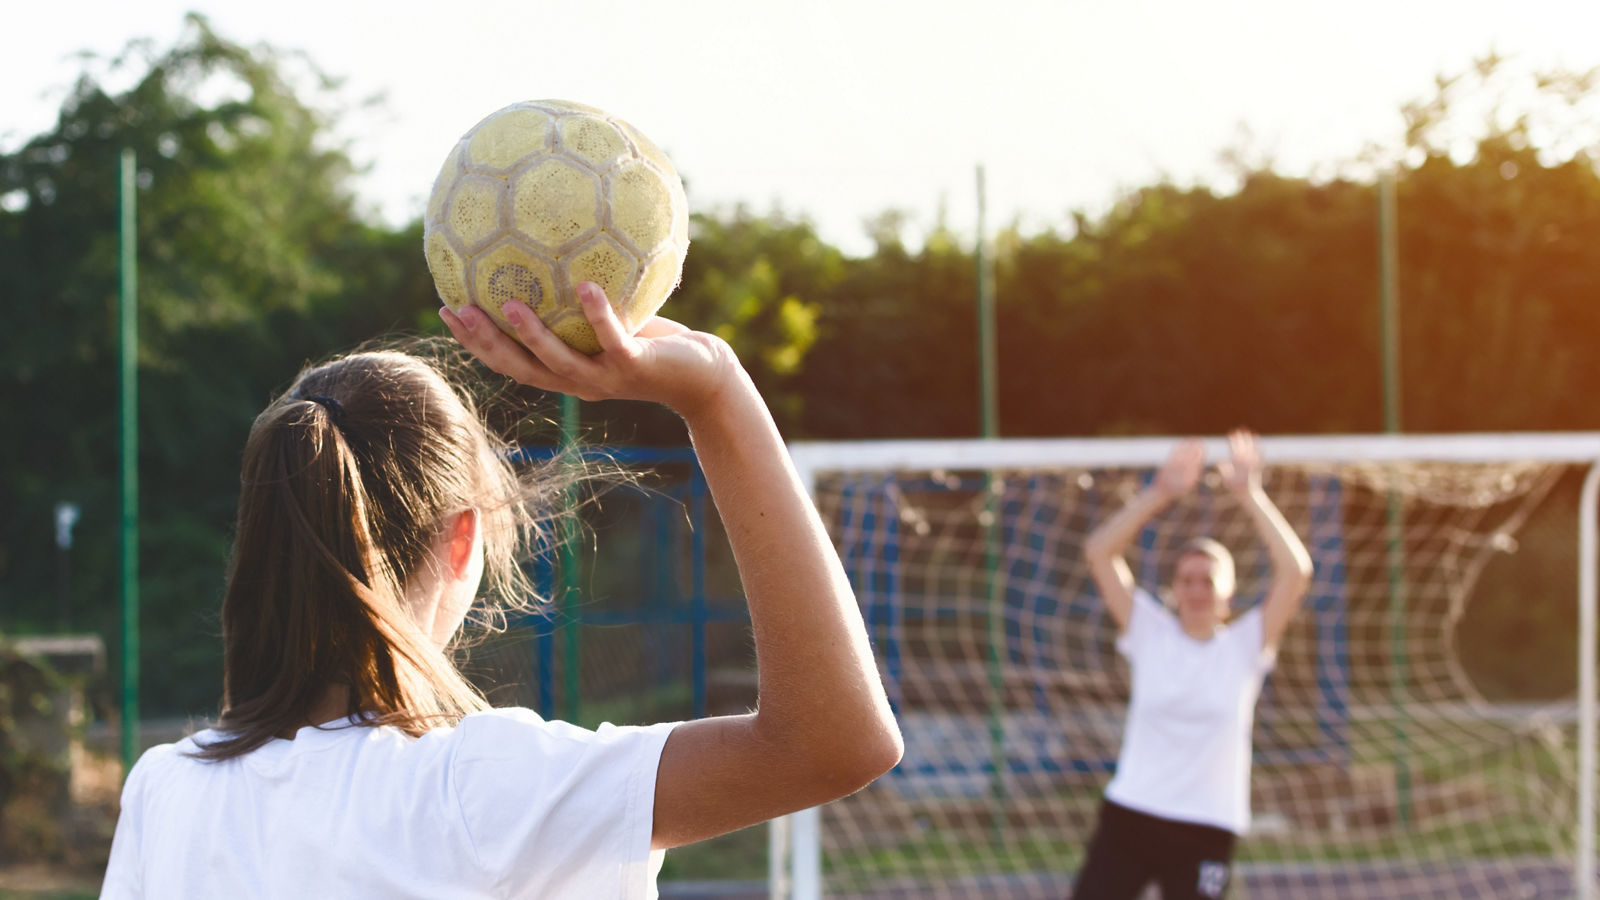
(1105,545)
(1291,564)
(823,728)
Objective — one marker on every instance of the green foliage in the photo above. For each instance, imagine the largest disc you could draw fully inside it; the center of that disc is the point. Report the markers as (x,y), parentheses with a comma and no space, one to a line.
(251,260)
(895,353)
(759,284)
(33,781)
(1166,316)
(737,856)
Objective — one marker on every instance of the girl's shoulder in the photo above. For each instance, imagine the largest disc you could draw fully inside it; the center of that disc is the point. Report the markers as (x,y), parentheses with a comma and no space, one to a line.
(1152,610)
(514,731)
(156,769)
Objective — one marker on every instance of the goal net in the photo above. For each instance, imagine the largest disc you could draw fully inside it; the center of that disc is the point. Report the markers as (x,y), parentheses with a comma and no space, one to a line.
(1418,738)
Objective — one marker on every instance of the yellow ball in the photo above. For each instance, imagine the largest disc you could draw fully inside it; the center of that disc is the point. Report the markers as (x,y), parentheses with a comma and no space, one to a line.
(543,195)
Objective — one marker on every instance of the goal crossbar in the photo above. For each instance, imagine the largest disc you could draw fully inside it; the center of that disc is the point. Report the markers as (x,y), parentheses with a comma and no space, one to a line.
(1027,453)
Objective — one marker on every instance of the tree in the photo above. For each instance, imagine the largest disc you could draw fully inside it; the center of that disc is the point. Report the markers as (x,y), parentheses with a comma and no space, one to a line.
(1497,218)
(759,283)
(1184,310)
(246,230)
(896,354)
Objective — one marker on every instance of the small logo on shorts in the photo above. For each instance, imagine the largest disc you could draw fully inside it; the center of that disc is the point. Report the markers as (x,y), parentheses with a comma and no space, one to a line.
(1213,879)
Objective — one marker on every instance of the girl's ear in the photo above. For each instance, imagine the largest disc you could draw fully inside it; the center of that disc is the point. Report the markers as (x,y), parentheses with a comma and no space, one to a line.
(462,536)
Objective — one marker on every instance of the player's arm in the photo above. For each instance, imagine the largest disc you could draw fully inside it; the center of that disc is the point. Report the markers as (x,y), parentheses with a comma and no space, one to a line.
(1291,564)
(823,727)
(1106,544)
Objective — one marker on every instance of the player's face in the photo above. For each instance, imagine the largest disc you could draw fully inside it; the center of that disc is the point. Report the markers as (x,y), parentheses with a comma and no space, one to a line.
(1194,585)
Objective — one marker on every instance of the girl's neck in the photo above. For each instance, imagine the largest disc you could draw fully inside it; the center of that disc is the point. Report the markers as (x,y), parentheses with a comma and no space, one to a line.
(334,703)
(1201,628)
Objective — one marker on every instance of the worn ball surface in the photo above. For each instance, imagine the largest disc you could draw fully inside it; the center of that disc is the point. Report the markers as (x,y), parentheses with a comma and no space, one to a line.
(543,195)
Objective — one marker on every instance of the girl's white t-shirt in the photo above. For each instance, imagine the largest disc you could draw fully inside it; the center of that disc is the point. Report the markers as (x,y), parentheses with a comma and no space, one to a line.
(1186,746)
(505,804)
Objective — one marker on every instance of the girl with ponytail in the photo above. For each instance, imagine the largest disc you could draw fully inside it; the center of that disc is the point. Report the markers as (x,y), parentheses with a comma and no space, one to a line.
(352,759)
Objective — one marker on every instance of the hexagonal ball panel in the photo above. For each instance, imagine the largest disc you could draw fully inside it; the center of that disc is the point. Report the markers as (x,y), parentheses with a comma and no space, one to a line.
(555,204)
(510,271)
(660,276)
(474,210)
(594,141)
(642,211)
(449,270)
(648,149)
(503,140)
(608,264)
(448,173)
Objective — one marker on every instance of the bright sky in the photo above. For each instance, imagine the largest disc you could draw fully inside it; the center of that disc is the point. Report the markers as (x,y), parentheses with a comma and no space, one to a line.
(840,109)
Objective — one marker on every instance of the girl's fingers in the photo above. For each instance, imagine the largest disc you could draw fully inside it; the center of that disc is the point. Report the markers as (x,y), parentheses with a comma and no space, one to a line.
(1242,442)
(478,333)
(1244,463)
(625,366)
(598,377)
(1191,454)
(551,351)
(603,319)
(473,328)
(452,321)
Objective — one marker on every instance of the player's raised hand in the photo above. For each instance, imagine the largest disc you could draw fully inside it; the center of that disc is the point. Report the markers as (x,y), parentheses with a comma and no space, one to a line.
(664,361)
(1241,471)
(1181,472)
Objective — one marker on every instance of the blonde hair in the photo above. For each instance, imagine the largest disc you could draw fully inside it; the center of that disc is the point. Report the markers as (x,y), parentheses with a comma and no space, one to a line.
(1204,546)
(346,481)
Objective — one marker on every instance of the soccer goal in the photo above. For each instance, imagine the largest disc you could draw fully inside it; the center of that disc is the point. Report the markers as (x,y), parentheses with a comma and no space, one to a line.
(1418,738)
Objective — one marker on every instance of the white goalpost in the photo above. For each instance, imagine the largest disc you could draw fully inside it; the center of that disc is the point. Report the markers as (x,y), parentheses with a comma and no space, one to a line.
(1391,759)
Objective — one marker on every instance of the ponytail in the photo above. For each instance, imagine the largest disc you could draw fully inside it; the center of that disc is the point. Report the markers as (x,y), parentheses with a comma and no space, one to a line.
(345,481)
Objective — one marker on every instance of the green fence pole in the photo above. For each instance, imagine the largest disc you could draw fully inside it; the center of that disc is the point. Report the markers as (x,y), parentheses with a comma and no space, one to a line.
(569,567)
(989,423)
(128,390)
(1389,302)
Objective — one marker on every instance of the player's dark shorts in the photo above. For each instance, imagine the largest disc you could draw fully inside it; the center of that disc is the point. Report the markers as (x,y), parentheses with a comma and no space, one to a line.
(1130,849)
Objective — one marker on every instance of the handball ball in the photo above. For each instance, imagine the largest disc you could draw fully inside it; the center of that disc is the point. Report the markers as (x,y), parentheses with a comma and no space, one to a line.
(543,195)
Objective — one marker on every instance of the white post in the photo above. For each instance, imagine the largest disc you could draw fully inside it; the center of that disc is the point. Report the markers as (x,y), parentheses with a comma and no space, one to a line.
(801,832)
(778,832)
(1584,865)
(807,836)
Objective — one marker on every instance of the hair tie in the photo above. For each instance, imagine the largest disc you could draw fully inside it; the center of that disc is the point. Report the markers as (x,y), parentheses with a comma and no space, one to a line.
(335,411)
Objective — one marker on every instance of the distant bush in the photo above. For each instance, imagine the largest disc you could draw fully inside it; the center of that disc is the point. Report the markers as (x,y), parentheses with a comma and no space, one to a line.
(41,742)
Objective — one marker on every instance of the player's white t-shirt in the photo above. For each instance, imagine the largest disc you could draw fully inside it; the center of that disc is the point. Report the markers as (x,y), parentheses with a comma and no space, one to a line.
(505,804)
(1186,746)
